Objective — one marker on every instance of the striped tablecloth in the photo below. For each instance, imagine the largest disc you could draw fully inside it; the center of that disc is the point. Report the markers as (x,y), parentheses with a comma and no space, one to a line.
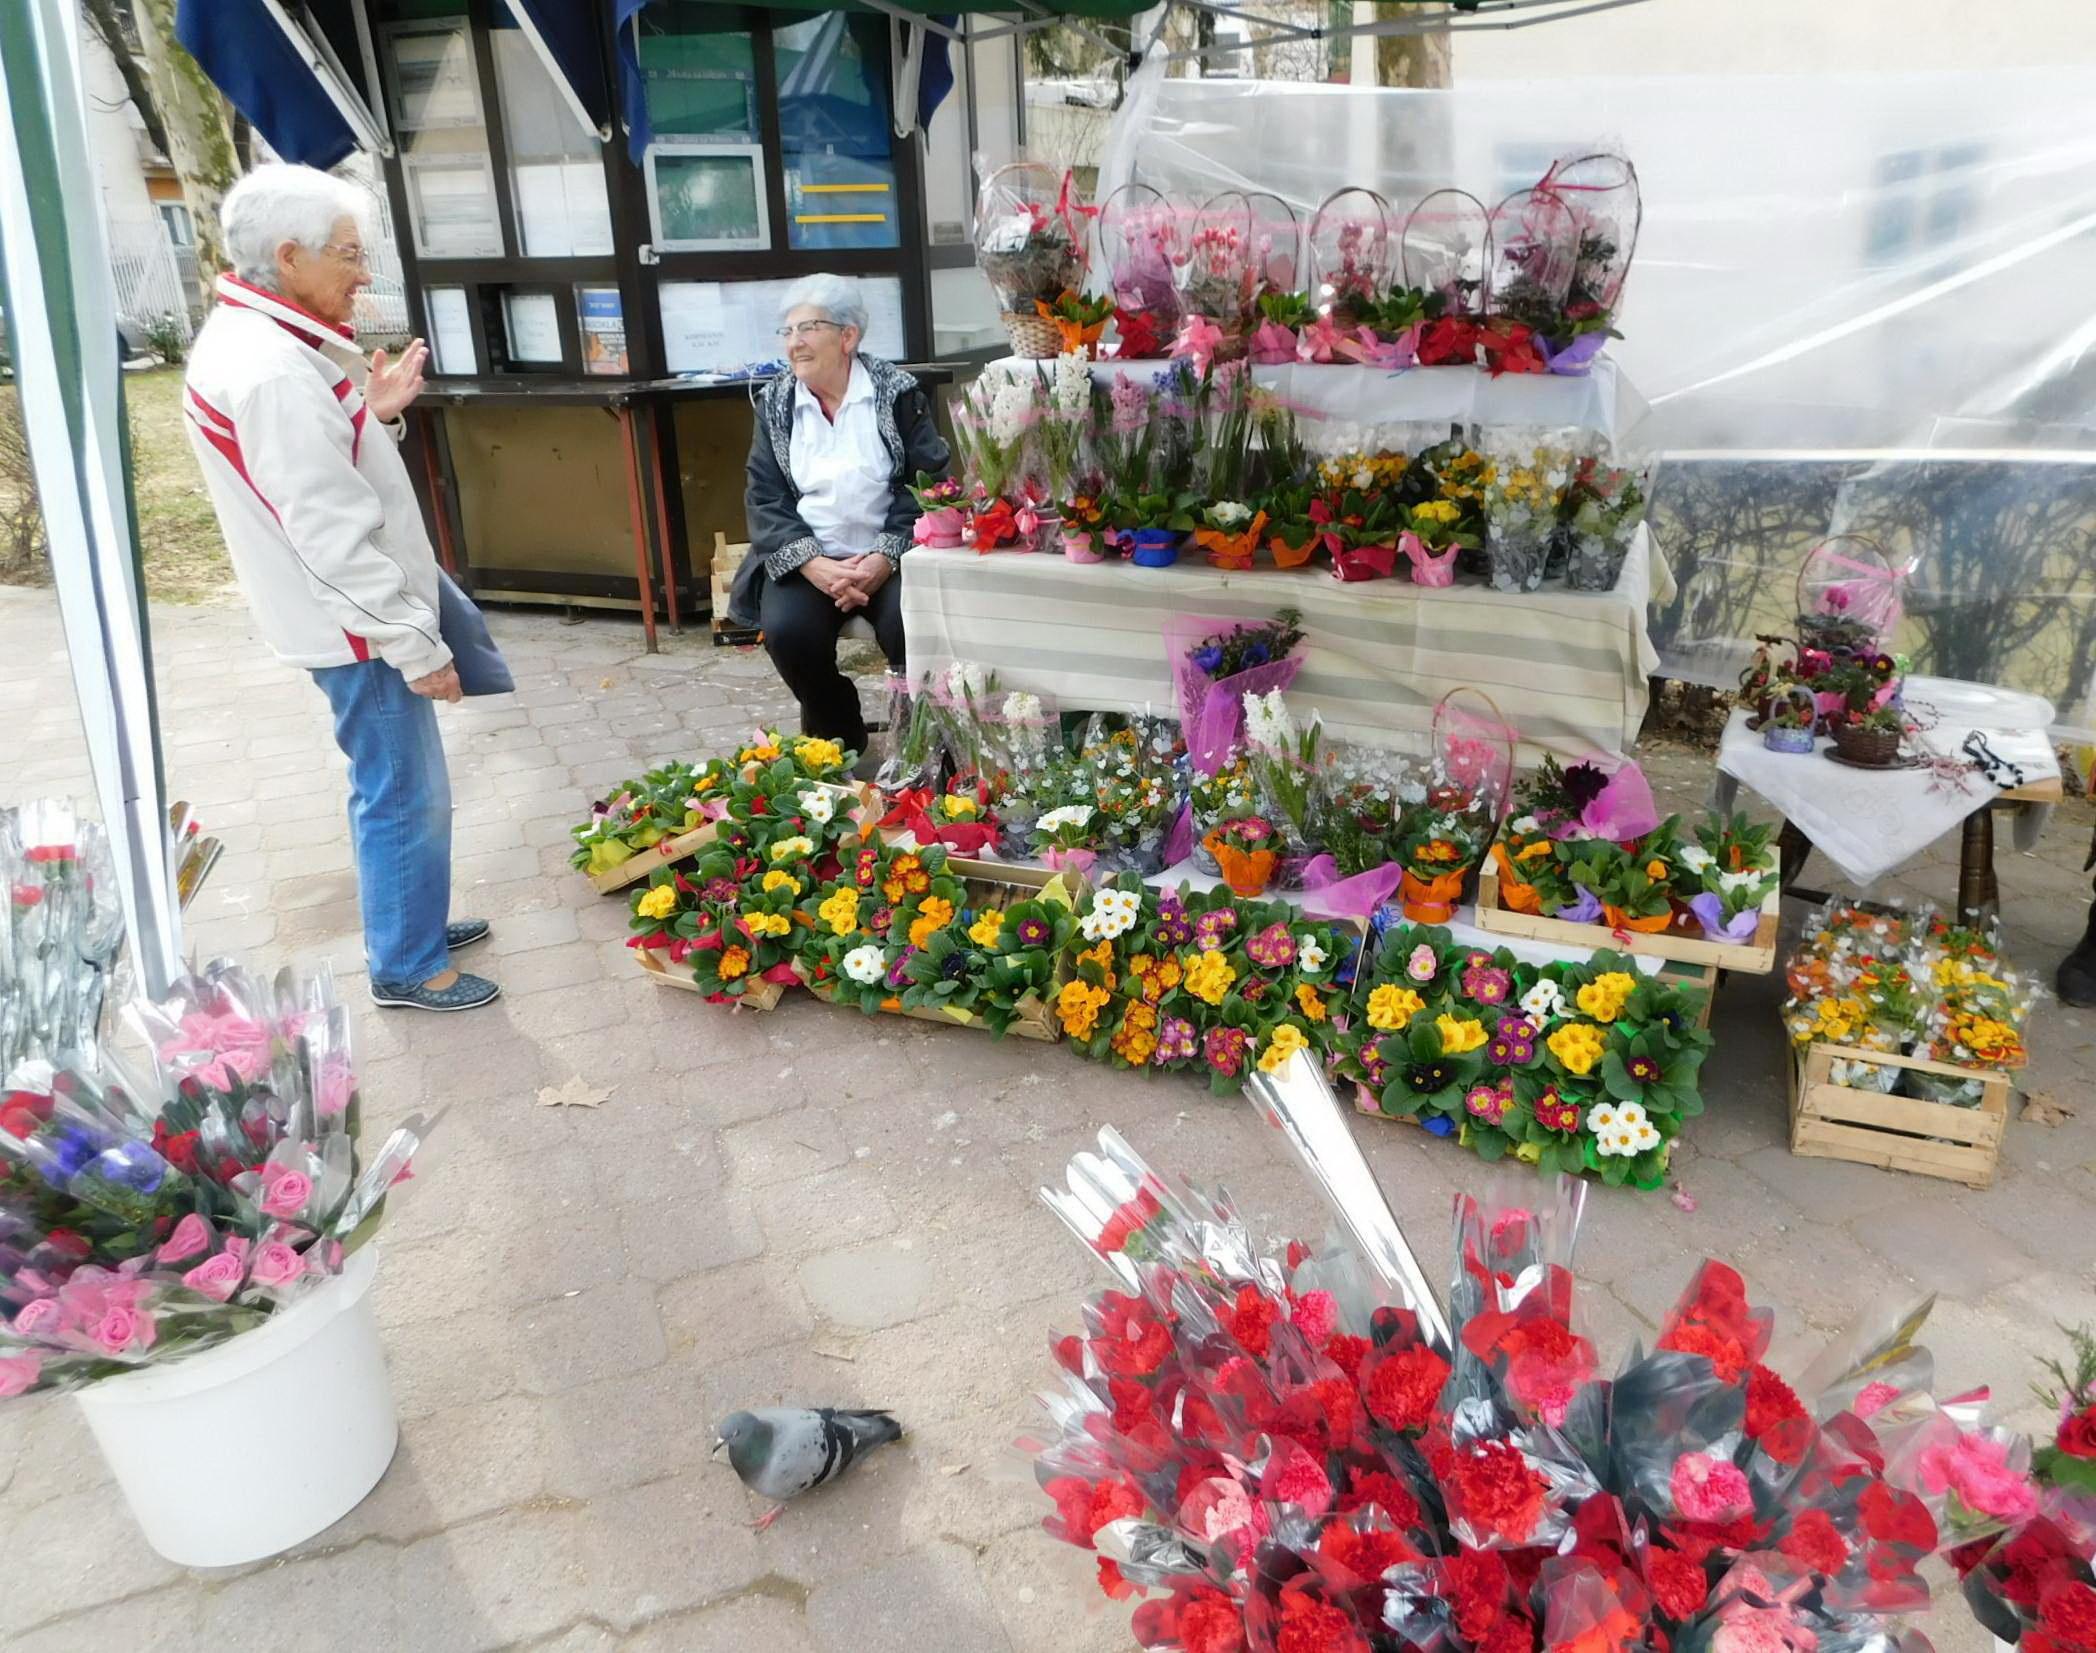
(1567,668)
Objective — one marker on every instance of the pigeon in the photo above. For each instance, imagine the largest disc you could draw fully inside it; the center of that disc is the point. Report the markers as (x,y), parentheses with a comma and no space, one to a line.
(782,1452)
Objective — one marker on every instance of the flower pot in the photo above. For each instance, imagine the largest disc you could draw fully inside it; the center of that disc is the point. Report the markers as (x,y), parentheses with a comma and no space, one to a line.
(1430,568)
(1594,563)
(1365,562)
(1247,871)
(943,530)
(1080,545)
(253,1446)
(1650,925)
(1860,745)
(1517,557)
(1430,900)
(1034,338)
(1778,739)
(1155,547)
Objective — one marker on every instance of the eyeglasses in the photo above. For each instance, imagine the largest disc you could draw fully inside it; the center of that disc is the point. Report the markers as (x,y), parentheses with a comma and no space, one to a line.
(348,253)
(805,329)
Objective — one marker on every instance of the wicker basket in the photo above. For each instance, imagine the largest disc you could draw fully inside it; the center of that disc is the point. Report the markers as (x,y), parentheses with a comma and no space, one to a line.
(1034,338)
(1872,746)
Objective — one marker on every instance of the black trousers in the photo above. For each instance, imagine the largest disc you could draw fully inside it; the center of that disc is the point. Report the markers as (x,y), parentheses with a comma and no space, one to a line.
(801,625)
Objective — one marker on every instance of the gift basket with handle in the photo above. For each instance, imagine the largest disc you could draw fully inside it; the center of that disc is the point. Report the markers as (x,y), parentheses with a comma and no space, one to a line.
(1142,237)
(1602,190)
(1351,254)
(1445,254)
(1789,723)
(1217,279)
(1277,244)
(1534,242)
(1849,597)
(1031,240)
(1469,785)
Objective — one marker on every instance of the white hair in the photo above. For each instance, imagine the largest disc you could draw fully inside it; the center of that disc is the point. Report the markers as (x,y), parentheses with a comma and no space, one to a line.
(836,298)
(275,204)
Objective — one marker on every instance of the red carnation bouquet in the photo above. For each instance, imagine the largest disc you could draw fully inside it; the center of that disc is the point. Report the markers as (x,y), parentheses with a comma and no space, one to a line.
(1281,1452)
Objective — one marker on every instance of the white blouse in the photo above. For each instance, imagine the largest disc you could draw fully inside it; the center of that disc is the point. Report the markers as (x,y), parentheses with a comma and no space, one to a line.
(841,467)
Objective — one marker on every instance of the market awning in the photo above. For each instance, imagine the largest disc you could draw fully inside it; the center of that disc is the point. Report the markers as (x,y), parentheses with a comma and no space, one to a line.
(281,72)
(568,39)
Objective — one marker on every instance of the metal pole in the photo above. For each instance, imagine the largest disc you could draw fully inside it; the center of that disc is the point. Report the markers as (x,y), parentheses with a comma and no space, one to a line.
(61,315)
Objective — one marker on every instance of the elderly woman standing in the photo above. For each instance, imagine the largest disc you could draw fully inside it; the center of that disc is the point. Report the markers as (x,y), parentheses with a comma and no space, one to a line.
(296,435)
(840,435)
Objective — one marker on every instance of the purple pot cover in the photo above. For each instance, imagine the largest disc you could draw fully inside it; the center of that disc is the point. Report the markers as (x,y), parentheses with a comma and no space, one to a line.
(1709,909)
(1586,910)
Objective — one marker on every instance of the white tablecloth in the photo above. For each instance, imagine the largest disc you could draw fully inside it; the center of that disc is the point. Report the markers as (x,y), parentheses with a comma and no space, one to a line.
(1566,668)
(1869,821)
(1373,399)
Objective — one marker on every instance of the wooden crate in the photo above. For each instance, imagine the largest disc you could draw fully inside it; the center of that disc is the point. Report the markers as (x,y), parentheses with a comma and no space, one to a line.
(726,560)
(849,796)
(1036,1017)
(1896,1133)
(1753,958)
(762,995)
(1703,977)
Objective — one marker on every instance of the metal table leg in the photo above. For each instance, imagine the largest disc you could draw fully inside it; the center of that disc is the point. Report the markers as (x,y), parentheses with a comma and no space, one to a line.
(662,517)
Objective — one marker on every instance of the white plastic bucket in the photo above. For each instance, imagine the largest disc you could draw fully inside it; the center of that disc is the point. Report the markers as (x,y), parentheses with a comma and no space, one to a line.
(247,1449)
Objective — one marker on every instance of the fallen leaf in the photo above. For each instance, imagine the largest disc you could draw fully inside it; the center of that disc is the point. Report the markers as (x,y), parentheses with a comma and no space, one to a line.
(1683,1198)
(603,682)
(953,1469)
(575,1094)
(2039,1108)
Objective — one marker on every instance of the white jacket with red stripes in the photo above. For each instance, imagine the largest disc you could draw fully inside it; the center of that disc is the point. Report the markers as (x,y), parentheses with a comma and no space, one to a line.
(318,514)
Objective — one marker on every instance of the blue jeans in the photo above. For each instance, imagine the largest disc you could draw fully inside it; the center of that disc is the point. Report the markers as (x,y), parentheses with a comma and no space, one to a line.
(399,818)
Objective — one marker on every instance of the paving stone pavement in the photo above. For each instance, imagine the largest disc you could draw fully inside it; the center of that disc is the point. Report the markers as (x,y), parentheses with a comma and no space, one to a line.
(800,1206)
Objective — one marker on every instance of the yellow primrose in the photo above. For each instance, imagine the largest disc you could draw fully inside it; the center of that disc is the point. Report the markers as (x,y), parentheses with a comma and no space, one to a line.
(659,902)
(840,911)
(768,924)
(986,929)
(1309,1003)
(1578,1045)
(1603,998)
(1391,1007)
(787,848)
(777,880)
(818,754)
(959,807)
(1208,977)
(933,915)
(1459,1036)
(1284,1042)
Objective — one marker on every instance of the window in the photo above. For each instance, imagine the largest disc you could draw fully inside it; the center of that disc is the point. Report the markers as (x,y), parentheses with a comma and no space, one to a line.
(1925,199)
(556,170)
(700,78)
(834,132)
(175,217)
(720,326)
(443,138)
(707,197)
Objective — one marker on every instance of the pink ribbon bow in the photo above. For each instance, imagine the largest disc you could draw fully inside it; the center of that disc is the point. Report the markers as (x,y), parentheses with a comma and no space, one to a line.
(1198,340)
(1428,567)
(1272,344)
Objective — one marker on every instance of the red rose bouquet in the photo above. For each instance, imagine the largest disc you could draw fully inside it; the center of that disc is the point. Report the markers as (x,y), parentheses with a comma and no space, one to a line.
(1282,1452)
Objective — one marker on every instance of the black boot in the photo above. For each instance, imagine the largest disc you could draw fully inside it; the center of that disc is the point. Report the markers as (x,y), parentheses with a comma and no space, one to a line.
(2076,980)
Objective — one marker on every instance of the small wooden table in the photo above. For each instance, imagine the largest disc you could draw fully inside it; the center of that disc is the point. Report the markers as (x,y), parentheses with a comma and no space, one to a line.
(1979,893)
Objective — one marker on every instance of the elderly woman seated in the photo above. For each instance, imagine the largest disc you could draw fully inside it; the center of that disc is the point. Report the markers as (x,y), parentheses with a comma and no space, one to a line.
(840,435)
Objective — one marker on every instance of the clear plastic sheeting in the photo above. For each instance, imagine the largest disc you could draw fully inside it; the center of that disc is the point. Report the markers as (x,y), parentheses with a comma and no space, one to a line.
(1860,302)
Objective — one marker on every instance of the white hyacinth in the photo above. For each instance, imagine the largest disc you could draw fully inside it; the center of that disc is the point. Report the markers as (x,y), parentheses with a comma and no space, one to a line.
(1010,408)
(1073,383)
(965,681)
(1021,707)
(1267,723)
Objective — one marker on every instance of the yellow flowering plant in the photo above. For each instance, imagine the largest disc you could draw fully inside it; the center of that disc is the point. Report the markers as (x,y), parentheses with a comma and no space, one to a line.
(1500,1053)
(638,814)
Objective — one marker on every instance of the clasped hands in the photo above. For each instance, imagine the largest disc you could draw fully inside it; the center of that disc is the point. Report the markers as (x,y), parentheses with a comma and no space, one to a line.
(849,582)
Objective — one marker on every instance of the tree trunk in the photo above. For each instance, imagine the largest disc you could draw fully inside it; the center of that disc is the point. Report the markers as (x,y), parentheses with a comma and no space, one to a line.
(109,29)
(1414,59)
(199,134)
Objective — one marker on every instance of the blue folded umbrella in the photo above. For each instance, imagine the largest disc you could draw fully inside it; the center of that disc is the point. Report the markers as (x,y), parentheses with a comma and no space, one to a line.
(481,668)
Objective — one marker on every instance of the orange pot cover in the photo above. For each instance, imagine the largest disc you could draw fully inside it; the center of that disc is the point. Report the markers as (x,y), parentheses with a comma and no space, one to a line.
(1292,556)
(1231,551)
(1431,900)
(1620,920)
(1246,871)
(1516,892)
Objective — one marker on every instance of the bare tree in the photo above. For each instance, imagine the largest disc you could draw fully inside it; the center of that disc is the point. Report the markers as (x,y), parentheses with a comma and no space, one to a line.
(198,127)
(112,28)
(1425,59)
